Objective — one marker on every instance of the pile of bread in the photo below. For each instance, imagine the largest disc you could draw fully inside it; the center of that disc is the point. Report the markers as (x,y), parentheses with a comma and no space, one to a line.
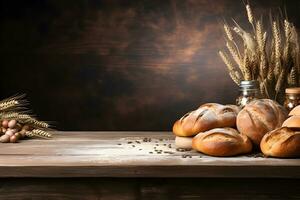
(225,130)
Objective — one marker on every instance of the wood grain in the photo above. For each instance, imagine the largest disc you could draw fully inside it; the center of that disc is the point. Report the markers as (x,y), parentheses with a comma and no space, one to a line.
(149,189)
(125,154)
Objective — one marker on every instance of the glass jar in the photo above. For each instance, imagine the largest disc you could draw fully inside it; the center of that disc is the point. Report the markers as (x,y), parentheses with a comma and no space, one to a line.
(292,98)
(249,91)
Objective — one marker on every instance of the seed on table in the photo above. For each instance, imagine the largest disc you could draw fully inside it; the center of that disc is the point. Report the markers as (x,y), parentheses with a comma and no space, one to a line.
(129,142)
(133,145)
(140,149)
(119,144)
(138,142)
(150,152)
(165,144)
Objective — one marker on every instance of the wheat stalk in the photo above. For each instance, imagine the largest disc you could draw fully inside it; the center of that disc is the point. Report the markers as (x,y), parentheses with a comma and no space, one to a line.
(230,67)
(277,43)
(293,76)
(275,64)
(247,68)
(250,16)
(234,53)
(228,32)
(10,109)
(259,36)
(8,104)
(38,133)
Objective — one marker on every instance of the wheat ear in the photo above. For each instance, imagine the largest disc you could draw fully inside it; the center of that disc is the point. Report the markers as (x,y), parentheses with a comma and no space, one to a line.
(38,133)
(8,104)
(277,46)
(293,76)
(247,67)
(250,16)
(234,53)
(228,32)
(229,67)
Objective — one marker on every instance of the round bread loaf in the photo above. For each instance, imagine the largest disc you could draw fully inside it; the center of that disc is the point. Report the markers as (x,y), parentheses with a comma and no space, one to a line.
(183,142)
(206,117)
(292,122)
(259,117)
(295,111)
(222,142)
(282,142)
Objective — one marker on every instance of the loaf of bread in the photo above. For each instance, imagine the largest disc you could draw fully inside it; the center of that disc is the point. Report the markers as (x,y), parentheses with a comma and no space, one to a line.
(292,122)
(222,142)
(283,142)
(206,117)
(295,111)
(259,117)
(183,142)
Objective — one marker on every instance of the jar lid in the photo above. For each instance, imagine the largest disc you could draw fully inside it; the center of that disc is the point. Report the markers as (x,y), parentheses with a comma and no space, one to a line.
(253,84)
(295,90)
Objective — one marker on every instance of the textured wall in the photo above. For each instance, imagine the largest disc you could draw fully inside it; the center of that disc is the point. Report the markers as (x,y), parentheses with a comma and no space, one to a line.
(119,65)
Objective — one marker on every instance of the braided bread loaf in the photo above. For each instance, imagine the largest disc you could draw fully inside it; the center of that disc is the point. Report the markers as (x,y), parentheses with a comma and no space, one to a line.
(222,142)
(259,117)
(206,117)
(282,142)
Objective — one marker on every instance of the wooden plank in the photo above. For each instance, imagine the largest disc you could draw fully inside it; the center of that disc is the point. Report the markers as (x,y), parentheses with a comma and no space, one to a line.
(149,189)
(126,154)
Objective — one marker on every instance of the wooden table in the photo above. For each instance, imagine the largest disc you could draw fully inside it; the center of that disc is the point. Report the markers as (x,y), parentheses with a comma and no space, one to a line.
(137,165)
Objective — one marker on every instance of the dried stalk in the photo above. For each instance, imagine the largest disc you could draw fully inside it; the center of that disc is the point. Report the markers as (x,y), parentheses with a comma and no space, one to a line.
(276,65)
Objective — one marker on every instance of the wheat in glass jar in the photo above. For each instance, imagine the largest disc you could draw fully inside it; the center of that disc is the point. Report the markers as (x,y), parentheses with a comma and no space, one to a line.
(292,98)
(248,91)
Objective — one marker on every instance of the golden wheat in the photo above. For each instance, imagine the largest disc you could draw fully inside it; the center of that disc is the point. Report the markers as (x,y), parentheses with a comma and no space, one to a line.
(229,67)
(275,64)
(228,32)
(250,14)
(38,133)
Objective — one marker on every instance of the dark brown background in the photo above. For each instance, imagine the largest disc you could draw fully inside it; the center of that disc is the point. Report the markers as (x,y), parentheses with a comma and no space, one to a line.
(119,65)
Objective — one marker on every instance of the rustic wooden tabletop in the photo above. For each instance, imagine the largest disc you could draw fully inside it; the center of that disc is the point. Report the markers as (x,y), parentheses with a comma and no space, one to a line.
(129,154)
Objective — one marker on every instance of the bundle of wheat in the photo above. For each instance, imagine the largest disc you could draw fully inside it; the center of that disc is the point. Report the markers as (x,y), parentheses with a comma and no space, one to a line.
(16,123)
(271,58)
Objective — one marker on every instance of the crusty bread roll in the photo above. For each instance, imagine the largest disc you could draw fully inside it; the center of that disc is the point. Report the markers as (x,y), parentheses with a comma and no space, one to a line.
(259,117)
(292,122)
(295,111)
(282,142)
(222,142)
(183,142)
(206,117)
